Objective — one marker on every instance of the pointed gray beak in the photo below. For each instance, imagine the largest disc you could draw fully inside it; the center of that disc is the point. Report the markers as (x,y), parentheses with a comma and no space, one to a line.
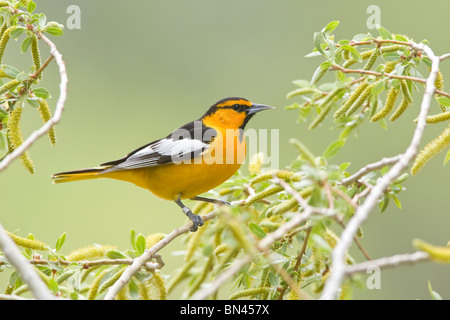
(257,108)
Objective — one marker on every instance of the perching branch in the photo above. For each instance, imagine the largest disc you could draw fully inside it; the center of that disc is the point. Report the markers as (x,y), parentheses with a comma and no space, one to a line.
(139,262)
(338,267)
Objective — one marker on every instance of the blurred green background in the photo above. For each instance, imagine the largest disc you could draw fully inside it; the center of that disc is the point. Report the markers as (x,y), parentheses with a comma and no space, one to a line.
(139,69)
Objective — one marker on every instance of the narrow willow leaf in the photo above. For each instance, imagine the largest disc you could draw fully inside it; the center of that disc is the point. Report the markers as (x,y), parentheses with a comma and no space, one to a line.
(445,101)
(60,242)
(330,27)
(333,149)
(256,230)
(384,33)
(447,157)
(140,244)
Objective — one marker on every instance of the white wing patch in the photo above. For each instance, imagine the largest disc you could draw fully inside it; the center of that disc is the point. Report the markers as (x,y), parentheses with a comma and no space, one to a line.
(176,150)
(172,148)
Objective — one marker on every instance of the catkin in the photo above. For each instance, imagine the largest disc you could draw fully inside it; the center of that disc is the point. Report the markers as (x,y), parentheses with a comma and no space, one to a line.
(362,97)
(28,243)
(373,57)
(89,252)
(249,292)
(46,115)
(405,91)
(439,84)
(325,107)
(108,283)
(16,137)
(4,40)
(390,66)
(92,293)
(388,106)
(160,284)
(351,99)
(401,108)
(9,86)
(65,275)
(438,117)
(431,149)
(364,55)
(282,174)
(36,56)
(320,75)
(264,194)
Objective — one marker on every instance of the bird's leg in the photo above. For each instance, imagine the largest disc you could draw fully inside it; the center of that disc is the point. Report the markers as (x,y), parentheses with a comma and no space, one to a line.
(195,218)
(216,201)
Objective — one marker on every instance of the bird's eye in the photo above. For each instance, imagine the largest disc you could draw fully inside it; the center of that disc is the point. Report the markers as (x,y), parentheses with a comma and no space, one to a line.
(238,108)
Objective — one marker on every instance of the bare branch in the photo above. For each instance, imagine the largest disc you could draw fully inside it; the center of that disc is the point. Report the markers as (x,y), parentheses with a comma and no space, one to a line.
(338,268)
(386,262)
(370,167)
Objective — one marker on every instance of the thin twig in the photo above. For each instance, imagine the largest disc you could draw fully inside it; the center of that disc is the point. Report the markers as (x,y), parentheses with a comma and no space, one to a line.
(371,167)
(392,76)
(385,262)
(158,264)
(338,267)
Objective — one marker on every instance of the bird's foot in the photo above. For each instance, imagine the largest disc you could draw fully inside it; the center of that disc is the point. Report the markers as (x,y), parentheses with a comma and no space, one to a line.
(195,218)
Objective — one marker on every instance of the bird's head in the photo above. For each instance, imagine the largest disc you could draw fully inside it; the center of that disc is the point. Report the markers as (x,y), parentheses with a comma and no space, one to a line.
(232,113)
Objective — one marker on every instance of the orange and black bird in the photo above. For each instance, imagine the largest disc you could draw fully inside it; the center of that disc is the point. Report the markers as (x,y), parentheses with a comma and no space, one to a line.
(193,159)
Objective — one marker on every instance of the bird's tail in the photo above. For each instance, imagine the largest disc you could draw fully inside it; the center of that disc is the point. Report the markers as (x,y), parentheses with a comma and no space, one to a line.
(81,174)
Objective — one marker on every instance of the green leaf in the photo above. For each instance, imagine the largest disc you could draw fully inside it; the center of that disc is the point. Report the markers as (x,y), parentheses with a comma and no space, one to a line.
(384,33)
(319,38)
(31,6)
(42,20)
(41,93)
(319,71)
(330,27)
(445,101)
(333,149)
(355,53)
(434,294)
(140,244)
(10,71)
(256,230)
(53,285)
(15,33)
(26,44)
(22,76)
(60,242)
(54,31)
(397,202)
(114,254)
(344,166)
(133,238)
(447,157)
(3,144)
(33,102)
